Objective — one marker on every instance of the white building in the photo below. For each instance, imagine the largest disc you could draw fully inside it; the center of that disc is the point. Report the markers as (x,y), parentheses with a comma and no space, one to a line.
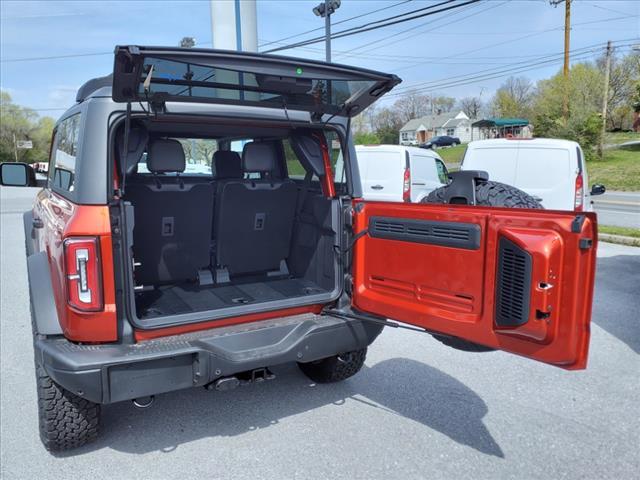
(419,130)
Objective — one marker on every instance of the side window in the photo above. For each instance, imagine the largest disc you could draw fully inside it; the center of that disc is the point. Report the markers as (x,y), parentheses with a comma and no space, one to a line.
(295,170)
(443,173)
(63,154)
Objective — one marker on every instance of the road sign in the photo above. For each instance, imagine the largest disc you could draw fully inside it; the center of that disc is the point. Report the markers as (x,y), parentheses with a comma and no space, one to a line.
(24,144)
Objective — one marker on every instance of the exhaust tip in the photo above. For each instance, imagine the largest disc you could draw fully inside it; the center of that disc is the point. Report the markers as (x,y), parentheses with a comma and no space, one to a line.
(143,402)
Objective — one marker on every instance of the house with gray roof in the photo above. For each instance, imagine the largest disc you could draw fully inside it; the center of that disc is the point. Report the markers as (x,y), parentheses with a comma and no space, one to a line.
(419,130)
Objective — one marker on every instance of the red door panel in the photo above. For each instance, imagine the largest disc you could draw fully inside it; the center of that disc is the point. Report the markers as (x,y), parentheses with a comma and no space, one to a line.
(511,279)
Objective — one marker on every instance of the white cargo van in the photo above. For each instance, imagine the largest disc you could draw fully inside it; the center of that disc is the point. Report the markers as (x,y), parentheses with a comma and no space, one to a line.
(550,170)
(393,173)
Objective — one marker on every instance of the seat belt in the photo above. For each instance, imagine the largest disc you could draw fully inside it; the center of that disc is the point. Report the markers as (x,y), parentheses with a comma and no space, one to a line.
(303,193)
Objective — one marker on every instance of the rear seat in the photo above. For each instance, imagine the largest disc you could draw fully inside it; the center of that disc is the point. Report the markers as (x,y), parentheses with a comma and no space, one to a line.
(254,218)
(173,216)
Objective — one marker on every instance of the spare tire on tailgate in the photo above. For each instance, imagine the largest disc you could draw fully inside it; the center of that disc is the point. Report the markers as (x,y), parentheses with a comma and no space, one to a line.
(488,194)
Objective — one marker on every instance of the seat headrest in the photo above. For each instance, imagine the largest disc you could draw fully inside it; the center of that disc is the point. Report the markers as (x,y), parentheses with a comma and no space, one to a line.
(227,164)
(259,157)
(165,156)
(138,137)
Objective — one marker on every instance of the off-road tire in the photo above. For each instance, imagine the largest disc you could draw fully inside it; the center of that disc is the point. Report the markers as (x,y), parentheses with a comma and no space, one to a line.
(488,194)
(491,194)
(66,420)
(335,369)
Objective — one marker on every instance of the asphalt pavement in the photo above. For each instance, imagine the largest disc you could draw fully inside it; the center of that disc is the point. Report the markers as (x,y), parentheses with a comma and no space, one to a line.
(418,409)
(620,209)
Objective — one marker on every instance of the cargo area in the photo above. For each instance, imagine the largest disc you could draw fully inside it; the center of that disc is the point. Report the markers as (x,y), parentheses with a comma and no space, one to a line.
(223,224)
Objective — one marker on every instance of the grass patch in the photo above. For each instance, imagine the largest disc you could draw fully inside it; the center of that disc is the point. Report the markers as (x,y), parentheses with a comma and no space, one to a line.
(618,170)
(616,138)
(624,231)
(452,155)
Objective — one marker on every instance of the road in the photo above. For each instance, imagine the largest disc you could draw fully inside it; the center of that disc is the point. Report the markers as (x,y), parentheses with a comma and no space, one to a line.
(620,209)
(417,410)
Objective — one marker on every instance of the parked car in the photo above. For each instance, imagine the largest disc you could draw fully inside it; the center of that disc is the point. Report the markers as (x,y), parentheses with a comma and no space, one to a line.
(441,141)
(144,283)
(393,173)
(552,171)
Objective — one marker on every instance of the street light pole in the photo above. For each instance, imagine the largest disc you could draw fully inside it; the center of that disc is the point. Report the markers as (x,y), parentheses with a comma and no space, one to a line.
(325,10)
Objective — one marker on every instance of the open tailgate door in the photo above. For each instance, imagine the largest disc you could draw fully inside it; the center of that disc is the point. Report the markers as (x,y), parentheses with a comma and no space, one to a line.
(511,279)
(164,74)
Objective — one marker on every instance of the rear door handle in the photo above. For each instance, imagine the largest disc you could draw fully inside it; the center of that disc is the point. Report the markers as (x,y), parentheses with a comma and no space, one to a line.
(37,223)
(377,187)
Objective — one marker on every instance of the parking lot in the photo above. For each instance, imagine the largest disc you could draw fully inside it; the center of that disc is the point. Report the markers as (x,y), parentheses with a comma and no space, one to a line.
(417,410)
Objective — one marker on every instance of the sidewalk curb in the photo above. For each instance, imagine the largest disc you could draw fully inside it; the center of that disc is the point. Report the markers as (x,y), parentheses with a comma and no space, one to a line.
(619,239)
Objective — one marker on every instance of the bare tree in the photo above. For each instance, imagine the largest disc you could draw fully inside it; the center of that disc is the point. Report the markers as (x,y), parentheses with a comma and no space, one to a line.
(442,104)
(471,106)
(411,105)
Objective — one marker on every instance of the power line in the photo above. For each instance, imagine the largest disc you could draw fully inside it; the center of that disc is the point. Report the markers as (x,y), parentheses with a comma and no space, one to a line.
(335,23)
(431,22)
(466,80)
(429,84)
(370,26)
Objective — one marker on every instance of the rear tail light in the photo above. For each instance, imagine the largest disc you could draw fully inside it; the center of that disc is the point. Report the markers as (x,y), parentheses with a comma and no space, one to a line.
(406,185)
(82,263)
(579,193)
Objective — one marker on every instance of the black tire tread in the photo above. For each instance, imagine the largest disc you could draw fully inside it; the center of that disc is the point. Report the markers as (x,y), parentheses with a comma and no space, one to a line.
(66,420)
(335,369)
(492,194)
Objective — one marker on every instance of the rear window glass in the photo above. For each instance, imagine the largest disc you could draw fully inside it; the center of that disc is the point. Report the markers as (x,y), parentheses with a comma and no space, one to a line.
(198,156)
(180,79)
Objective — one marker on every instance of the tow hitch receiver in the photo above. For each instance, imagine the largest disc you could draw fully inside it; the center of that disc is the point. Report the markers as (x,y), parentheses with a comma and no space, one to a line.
(241,379)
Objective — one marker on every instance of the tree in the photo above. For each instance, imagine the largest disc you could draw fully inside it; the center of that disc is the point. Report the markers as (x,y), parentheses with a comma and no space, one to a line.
(585,97)
(513,98)
(442,104)
(411,105)
(387,124)
(19,123)
(624,73)
(365,138)
(471,106)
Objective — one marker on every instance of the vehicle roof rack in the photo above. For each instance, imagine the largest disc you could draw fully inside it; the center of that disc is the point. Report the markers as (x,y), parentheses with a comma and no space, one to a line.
(92,85)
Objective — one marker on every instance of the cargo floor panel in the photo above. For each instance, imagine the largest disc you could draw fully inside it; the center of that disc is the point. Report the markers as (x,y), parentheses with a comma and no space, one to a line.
(187,298)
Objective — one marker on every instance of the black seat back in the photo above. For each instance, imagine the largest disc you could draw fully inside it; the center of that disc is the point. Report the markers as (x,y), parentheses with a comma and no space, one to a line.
(173,216)
(255,216)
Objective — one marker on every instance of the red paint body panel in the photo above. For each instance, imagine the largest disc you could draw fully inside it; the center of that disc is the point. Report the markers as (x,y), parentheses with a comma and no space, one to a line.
(63,219)
(141,335)
(452,290)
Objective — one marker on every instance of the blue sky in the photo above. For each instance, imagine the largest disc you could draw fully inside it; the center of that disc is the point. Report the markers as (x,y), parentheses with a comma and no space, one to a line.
(492,34)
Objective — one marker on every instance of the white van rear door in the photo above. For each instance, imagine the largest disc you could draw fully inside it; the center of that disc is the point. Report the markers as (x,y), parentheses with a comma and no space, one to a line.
(381,174)
(499,162)
(547,175)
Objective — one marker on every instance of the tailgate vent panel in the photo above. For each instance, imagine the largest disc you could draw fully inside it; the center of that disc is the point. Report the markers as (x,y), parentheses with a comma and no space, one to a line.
(447,234)
(513,285)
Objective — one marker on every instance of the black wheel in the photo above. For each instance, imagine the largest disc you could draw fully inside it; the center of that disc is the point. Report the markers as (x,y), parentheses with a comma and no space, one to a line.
(488,194)
(491,194)
(66,420)
(335,369)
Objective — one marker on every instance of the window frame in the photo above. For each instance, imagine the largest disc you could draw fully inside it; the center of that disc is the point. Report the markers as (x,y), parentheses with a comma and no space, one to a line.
(67,193)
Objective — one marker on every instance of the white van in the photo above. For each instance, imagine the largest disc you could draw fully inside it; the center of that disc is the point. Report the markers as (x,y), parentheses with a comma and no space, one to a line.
(550,170)
(393,173)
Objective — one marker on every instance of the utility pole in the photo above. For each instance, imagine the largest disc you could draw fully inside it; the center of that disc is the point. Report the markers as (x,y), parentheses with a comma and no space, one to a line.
(15,146)
(325,10)
(567,40)
(605,100)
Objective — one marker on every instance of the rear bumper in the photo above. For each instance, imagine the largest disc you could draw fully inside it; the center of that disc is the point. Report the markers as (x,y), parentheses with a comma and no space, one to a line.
(112,373)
